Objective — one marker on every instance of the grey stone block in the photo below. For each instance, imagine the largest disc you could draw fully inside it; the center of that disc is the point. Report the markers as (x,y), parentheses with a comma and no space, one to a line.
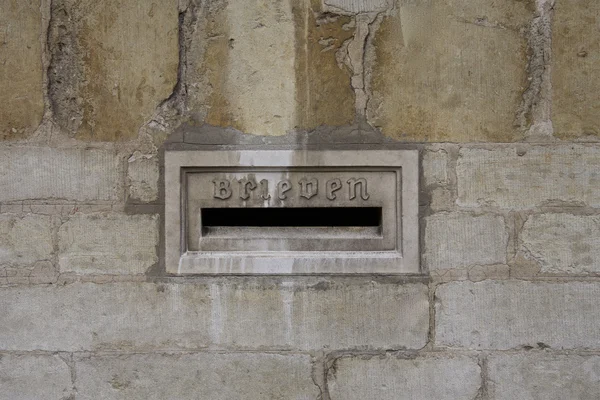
(454,240)
(30,377)
(563,243)
(42,173)
(389,378)
(543,376)
(25,240)
(511,179)
(514,314)
(108,243)
(250,376)
(220,314)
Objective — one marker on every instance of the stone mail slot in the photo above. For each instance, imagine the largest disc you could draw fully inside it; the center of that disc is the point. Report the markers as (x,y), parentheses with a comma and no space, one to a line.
(291,212)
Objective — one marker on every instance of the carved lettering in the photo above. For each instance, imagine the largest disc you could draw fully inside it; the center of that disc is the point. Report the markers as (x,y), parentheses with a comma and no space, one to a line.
(222,189)
(353,182)
(308,187)
(332,186)
(247,185)
(282,187)
(264,188)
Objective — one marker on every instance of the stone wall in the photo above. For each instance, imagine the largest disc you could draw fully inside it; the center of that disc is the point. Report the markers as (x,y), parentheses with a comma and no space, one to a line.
(500,98)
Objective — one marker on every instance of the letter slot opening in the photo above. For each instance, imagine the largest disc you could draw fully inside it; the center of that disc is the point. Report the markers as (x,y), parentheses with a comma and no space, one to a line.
(292,222)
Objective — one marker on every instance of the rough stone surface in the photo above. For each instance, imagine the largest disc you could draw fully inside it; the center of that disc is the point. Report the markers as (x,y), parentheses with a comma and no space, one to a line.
(513,314)
(20,67)
(563,243)
(390,378)
(455,240)
(195,376)
(356,6)
(143,175)
(450,70)
(65,174)
(113,62)
(190,316)
(435,167)
(108,243)
(28,377)
(543,376)
(25,240)
(269,67)
(575,68)
(513,178)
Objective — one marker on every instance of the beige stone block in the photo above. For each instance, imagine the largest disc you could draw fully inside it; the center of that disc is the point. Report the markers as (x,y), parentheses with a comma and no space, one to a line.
(450,70)
(42,173)
(25,240)
(143,175)
(113,62)
(576,68)
(222,315)
(437,377)
(271,66)
(28,377)
(108,243)
(195,376)
(563,243)
(542,375)
(435,167)
(454,240)
(21,75)
(513,179)
(513,314)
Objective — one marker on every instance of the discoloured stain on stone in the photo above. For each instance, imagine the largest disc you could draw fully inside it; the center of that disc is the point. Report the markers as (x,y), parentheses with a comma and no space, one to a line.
(20,68)
(576,69)
(450,71)
(112,63)
(269,67)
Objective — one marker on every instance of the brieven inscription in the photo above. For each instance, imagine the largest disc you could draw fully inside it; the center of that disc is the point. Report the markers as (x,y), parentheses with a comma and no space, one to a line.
(309,187)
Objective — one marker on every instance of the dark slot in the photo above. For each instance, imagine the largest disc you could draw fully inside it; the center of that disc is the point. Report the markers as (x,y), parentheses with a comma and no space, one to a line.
(292,216)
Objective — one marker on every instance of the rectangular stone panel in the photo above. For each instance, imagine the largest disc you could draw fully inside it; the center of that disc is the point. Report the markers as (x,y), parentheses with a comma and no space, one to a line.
(439,377)
(42,173)
(513,314)
(250,376)
(235,314)
(543,375)
(524,178)
(270,212)
(28,377)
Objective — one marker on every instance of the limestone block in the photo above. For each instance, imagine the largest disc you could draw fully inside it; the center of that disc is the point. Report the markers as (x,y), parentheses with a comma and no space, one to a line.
(512,179)
(534,376)
(272,66)
(450,70)
(576,68)
(20,67)
(224,314)
(356,6)
(27,377)
(390,378)
(25,240)
(513,314)
(113,62)
(455,240)
(143,175)
(563,243)
(108,243)
(42,173)
(435,167)
(195,376)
